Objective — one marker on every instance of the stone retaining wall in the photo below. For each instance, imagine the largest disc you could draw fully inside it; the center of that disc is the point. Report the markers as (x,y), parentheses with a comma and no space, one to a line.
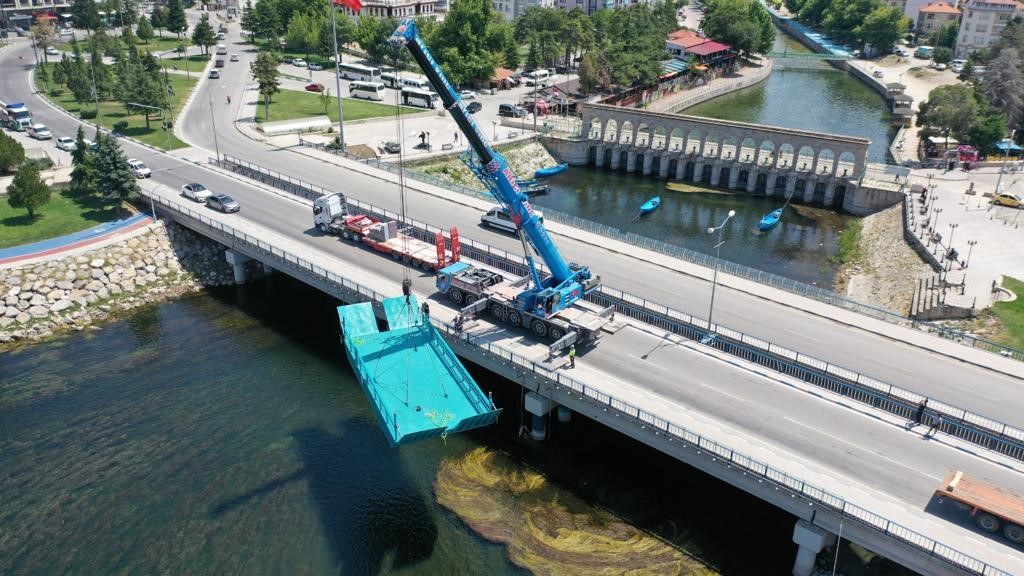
(71,292)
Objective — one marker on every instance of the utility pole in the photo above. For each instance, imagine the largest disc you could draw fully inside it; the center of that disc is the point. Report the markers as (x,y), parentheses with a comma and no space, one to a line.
(213,121)
(1002,168)
(337,74)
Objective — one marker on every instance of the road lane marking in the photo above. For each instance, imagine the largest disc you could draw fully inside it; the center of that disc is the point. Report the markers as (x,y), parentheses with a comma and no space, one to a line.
(859,447)
(722,392)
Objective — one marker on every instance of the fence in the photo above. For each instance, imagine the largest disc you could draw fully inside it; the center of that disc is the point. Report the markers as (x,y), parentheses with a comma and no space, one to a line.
(773,477)
(970,427)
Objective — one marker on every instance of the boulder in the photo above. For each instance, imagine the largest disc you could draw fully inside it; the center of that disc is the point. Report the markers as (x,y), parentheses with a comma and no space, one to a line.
(103,293)
(56,295)
(94,286)
(14,280)
(65,285)
(12,301)
(37,300)
(6,321)
(23,318)
(14,291)
(97,263)
(38,311)
(126,285)
(60,305)
(70,276)
(98,274)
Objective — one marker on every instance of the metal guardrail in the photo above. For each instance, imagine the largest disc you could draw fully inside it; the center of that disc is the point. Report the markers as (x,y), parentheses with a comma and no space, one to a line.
(774,477)
(739,270)
(960,423)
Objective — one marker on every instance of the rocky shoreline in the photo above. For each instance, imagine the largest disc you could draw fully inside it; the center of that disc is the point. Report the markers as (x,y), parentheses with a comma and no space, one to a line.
(38,300)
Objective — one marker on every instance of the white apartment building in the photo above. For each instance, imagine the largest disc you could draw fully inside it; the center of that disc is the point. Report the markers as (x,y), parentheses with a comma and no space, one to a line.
(983,21)
(394,8)
(512,9)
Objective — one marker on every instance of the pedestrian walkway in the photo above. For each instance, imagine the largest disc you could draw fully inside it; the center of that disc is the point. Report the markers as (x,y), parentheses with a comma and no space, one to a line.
(69,242)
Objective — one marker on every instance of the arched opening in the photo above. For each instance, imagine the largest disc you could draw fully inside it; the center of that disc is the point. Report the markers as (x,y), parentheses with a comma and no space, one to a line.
(608,157)
(748,151)
(780,185)
(611,130)
(693,142)
(786,156)
(623,159)
(712,146)
(744,177)
(826,162)
(656,165)
(592,155)
(595,129)
(626,133)
(845,167)
(723,176)
(673,165)
(688,171)
(730,149)
(705,173)
(643,134)
(805,159)
(761,184)
(676,140)
(660,138)
(766,154)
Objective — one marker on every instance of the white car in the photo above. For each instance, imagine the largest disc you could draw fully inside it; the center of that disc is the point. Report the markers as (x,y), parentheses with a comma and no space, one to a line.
(196,191)
(299,62)
(51,51)
(39,132)
(314,66)
(940,66)
(234,57)
(139,168)
(957,68)
(467,95)
(66,144)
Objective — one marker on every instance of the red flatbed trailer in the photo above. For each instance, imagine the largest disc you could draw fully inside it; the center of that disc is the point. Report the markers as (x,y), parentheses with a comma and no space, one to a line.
(992,507)
(385,237)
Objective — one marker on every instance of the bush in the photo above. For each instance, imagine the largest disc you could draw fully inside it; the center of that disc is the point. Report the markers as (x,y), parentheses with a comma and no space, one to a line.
(86,114)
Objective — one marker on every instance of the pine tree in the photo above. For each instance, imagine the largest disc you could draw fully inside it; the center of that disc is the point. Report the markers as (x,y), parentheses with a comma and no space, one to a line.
(265,73)
(203,35)
(12,153)
(60,70)
(116,179)
(145,30)
(249,23)
(28,190)
(158,19)
(44,76)
(83,175)
(175,22)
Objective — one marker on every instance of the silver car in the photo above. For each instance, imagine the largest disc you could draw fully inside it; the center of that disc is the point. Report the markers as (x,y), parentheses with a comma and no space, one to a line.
(223,202)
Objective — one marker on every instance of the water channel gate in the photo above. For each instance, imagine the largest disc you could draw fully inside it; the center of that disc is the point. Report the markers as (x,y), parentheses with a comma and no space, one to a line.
(416,385)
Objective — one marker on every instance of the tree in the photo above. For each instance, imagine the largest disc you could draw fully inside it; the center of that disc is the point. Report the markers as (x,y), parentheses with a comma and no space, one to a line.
(305,31)
(967,73)
(175,22)
(946,35)
(1004,85)
(249,24)
(203,34)
(158,19)
(12,153)
(83,175)
(44,34)
(264,72)
(592,74)
(636,45)
(942,54)
(346,34)
(952,109)
(545,30)
(883,27)
(145,30)
(44,76)
(987,131)
(730,21)
(28,190)
(60,70)
(85,14)
(115,175)
(373,33)
(266,20)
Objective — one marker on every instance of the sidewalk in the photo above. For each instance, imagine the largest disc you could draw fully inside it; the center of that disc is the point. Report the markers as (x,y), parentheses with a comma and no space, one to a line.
(88,238)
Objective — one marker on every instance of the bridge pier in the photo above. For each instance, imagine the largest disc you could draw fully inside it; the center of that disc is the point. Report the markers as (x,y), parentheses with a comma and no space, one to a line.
(680,167)
(809,185)
(237,261)
(648,161)
(751,179)
(734,175)
(698,170)
(810,539)
(769,185)
(663,166)
(830,192)
(599,156)
(616,154)
(716,173)
(564,414)
(538,406)
(790,184)
(631,161)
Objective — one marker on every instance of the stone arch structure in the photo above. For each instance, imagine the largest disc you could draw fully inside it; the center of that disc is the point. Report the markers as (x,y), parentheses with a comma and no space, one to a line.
(693,142)
(659,137)
(611,130)
(804,160)
(730,148)
(595,129)
(846,166)
(626,133)
(643,135)
(676,140)
(785,156)
(748,151)
(712,145)
(766,154)
(826,162)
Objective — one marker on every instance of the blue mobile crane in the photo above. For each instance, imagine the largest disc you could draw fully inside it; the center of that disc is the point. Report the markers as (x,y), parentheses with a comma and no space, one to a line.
(545,305)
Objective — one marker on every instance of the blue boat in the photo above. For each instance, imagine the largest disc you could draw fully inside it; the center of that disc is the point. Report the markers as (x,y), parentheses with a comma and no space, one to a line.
(650,206)
(527,182)
(769,220)
(551,170)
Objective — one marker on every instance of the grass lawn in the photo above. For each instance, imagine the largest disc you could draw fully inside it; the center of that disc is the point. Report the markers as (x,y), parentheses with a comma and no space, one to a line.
(161,44)
(112,111)
(291,104)
(63,215)
(196,61)
(1011,316)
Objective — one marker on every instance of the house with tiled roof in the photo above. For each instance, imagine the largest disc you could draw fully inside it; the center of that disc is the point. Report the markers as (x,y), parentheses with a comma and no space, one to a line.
(933,16)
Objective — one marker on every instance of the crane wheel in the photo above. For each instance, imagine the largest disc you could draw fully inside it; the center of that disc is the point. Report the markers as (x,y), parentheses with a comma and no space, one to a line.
(515,318)
(556,333)
(455,295)
(987,522)
(1014,533)
(499,312)
(539,328)
(322,227)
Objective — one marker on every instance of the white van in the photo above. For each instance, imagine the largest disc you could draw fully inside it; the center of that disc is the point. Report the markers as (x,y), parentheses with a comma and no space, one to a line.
(416,83)
(497,217)
(222,49)
(139,168)
(538,77)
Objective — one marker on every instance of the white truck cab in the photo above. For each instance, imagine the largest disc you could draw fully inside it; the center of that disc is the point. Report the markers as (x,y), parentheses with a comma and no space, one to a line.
(328,212)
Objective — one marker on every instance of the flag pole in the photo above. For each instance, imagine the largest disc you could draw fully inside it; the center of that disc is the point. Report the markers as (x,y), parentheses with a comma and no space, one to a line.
(337,75)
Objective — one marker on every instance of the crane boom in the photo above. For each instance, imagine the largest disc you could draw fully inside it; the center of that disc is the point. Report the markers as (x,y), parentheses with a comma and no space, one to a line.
(568,282)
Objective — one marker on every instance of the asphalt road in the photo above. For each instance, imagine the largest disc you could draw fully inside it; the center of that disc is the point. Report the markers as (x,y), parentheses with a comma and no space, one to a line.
(869,458)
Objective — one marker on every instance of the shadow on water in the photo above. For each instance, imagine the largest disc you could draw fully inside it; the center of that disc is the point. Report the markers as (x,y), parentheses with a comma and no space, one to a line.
(372,515)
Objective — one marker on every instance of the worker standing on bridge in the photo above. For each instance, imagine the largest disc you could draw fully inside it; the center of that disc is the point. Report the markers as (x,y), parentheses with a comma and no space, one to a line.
(572,356)
(919,414)
(936,424)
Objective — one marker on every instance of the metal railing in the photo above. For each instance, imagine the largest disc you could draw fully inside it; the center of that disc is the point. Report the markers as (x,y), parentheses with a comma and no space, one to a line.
(775,478)
(958,422)
(706,260)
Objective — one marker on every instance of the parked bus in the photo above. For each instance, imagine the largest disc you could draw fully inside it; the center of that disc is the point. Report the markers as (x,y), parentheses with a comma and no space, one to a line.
(359,72)
(367,90)
(417,97)
(538,77)
(391,80)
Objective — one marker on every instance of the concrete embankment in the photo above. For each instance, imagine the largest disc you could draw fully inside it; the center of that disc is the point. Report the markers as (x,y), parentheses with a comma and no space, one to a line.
(71,292)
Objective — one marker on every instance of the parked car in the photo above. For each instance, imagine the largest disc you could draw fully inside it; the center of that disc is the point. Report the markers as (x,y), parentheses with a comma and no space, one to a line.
(219,63)
(391,147)
(234,57)
(467,95)
(315,66)
(956,68)
(66,144)
(214,74)
(51,51)
(315,87)
(39,132)
(511,111)
(474,107)
(940,66)
(287,60)
(1008,199)
(139,168)
(497,217)
(223,202)
(299,62)
(878,74)
(196,191)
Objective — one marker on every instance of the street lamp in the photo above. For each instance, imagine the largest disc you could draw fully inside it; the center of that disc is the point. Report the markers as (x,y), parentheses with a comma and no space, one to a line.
(714,278)
(949,251)
(337,76)
(1002,168)
(495,123)
(935,223)
(970,244)
(213,121)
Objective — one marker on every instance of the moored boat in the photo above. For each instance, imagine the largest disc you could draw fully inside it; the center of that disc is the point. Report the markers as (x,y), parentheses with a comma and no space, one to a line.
(770,219)
(650,205)
(551,170)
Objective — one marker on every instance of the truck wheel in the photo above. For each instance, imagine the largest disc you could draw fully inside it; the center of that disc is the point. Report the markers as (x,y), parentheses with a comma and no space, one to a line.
(396,256)
(987,522)
(427,266)
(322,227)
(555,333)
(1014,533)
(499,312)
(515,318)
(539,328)
(455,295)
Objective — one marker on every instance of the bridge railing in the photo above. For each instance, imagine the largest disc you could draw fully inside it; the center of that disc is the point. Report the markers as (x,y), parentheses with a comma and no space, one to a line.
(706,260)
(354,292)
(958,422)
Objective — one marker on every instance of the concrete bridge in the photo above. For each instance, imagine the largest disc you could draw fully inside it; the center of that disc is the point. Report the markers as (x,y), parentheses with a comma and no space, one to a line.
(812,167)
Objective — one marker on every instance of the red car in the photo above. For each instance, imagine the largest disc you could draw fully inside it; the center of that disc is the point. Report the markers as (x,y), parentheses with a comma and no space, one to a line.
(315,87)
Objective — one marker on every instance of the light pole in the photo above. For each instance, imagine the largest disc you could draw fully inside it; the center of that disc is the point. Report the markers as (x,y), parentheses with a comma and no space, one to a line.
(213,121)
(337,75)
(1002,168)
(949,251)
(970,244)
(495,122)
(935,223)
(714,278)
